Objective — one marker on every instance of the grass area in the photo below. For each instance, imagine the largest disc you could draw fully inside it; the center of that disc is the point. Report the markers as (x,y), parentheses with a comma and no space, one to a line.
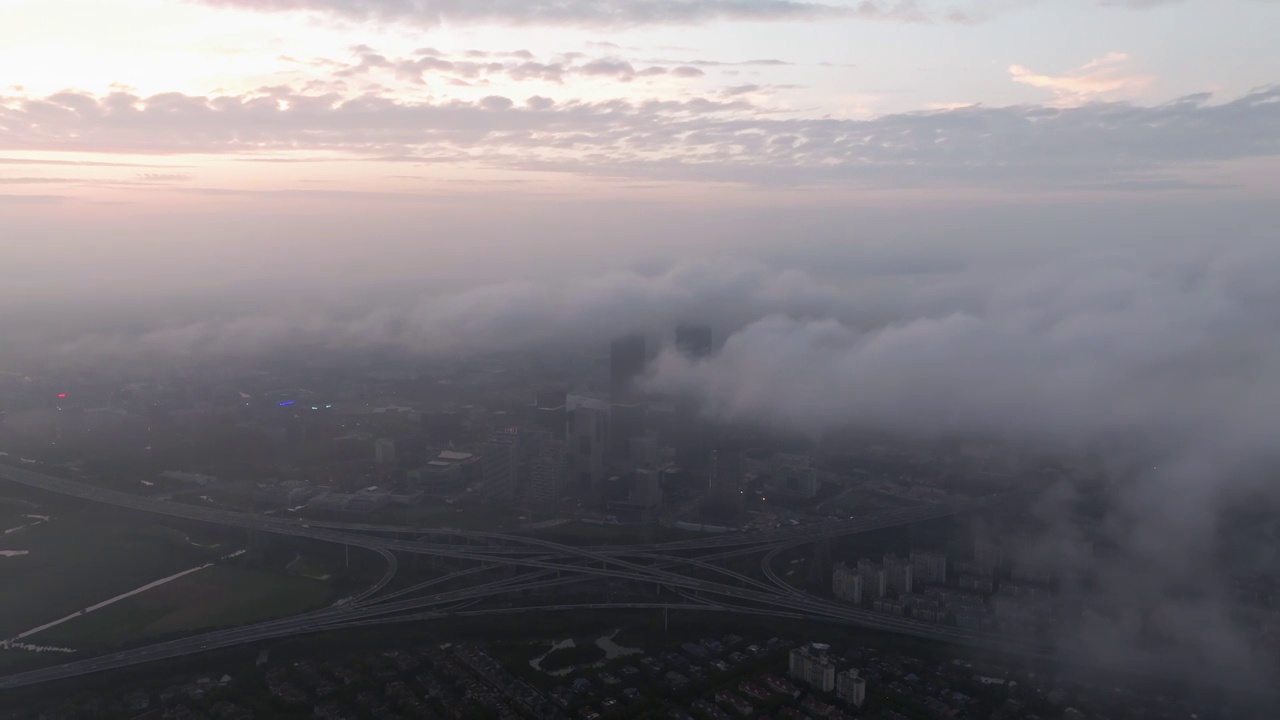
(219,596)
(307,566)
(12,511)
(83,557)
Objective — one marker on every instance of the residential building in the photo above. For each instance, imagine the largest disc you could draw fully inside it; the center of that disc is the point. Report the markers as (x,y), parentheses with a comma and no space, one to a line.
(899,574)
(811,665)
(851,688)
(846,583)
(928,568)
(874,581)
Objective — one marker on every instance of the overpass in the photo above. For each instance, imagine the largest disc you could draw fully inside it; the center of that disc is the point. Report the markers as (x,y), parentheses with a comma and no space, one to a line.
(543,564)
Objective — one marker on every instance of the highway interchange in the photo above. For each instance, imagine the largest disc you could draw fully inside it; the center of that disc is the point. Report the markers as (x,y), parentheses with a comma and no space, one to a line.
(531,564)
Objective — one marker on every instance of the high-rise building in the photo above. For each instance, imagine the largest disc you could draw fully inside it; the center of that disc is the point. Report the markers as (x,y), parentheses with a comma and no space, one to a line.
(384,451)
(547,475)
(687,434)
(549,412)
(626,365)
(584,453)
(851,688)
(793,478)
(846,583)
(725,482)
(643,452)
(647,491)
(625,422)
(811,665)
(929,568)
(694,340)
(500,465)
(874,580)
(899,574)
(552,397)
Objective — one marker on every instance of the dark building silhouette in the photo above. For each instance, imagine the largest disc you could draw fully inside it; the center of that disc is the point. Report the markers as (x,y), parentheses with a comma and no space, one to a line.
(694,340)
(550,413)
(626,364)
(625,423)
(584,457)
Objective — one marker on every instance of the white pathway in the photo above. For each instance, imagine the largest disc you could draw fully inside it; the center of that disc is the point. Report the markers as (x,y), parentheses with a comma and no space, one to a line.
(116,599)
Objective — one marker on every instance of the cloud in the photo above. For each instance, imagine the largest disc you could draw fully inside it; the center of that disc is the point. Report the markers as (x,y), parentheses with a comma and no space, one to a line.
(622,13)
(164,177)
(519,66)
(1132,345)
(1101,78)
(72,163)
(557,12)
(31,199)
(728,140)
(1161,366)
(38,180)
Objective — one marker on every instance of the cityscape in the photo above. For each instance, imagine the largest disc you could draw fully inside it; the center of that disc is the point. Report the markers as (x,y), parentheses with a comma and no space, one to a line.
(639,360)
(479,491)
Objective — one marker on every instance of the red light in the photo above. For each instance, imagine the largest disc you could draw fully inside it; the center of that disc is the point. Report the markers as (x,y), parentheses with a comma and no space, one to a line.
(62,396)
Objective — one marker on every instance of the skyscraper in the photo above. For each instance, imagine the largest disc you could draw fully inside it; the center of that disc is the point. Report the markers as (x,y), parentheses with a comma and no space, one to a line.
(547,476)
(725,475)
(694,340)
(626,365)
(625,422)
(647,490)
(584,455)
(550,412)
(500,465)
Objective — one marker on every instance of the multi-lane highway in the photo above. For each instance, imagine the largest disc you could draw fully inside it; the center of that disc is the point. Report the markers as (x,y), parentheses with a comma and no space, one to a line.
(681,569)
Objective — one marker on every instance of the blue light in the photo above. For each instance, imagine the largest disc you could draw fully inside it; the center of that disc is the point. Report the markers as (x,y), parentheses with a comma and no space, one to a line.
(286,403)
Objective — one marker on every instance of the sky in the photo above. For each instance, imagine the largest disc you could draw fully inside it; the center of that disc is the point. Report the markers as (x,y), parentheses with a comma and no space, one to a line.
(253,138)
(1052,222)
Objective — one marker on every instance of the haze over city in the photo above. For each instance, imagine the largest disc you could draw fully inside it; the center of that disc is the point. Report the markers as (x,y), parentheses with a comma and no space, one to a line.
(1021,252)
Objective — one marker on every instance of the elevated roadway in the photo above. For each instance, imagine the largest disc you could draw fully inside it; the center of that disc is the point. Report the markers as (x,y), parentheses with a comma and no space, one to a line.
(546,564)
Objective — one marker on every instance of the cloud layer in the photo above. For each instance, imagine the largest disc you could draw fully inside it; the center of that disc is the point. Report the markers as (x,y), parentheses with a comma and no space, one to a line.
(1100,79)
(576,12)
(1169,368)
(1095,145)
(1159,356)
(649,12)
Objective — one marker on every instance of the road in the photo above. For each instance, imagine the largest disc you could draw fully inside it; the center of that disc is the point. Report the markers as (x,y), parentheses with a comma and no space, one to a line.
(536,564)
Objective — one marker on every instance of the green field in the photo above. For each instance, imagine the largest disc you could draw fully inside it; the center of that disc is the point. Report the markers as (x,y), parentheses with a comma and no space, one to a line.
(86,555)
(217,597)
(82,557)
